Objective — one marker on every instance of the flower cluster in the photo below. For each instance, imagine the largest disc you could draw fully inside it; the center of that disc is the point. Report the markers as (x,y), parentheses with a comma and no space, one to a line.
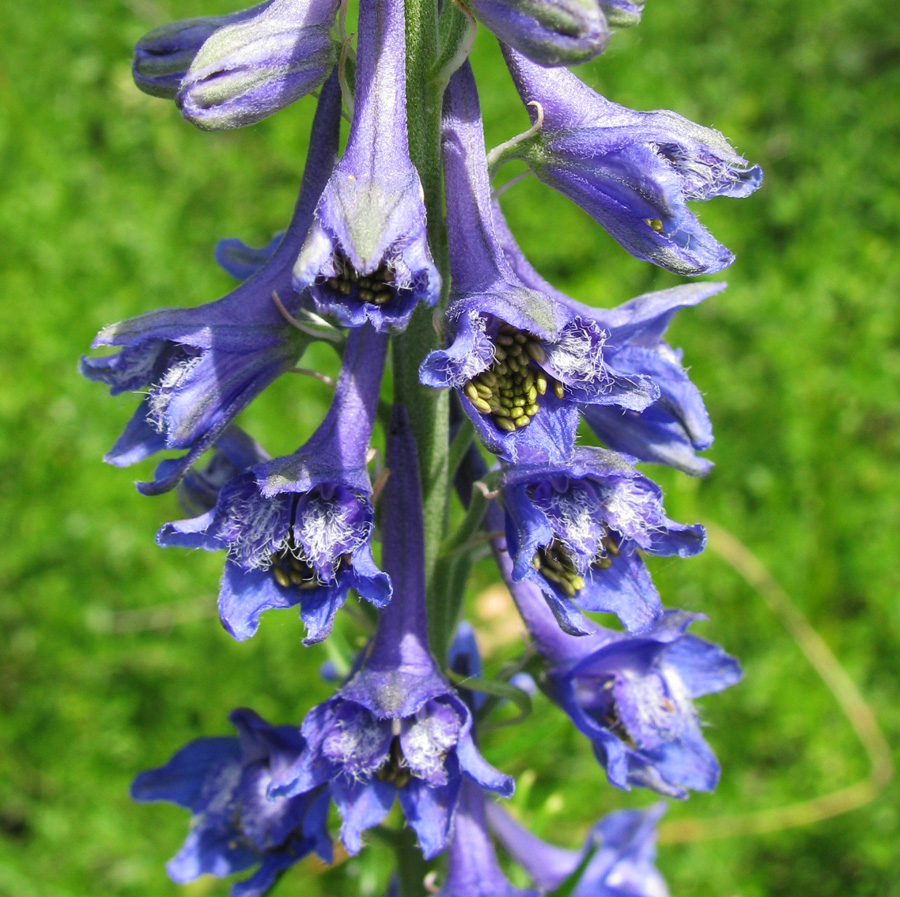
(570,524)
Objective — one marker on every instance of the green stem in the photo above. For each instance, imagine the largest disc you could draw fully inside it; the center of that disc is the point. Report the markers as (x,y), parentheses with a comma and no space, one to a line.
(411,866)
(428,409)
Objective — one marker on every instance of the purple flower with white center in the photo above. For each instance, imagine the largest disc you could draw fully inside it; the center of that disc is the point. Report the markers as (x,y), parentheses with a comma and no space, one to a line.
(521,361)
(472,867)
(632,695)
(298,529)
(234,824)
(633,699)
(396,729)
(163,55)
(676,425)
(623,848)
(253,66)
(633,172)
(574,529)
(550,32)
(200,367)
(366,258)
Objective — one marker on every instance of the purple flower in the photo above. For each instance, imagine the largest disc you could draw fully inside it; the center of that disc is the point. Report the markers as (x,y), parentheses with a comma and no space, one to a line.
(163,55)
(366,257)
(522,361)
(200,367)
(676,425)
(242,261)
(633,699)
(549,32)
(260,63)
(632,695)
(622,865)
(298,529)
(396,729)
(234,824)
(631,171)
(472,868)
(574,530)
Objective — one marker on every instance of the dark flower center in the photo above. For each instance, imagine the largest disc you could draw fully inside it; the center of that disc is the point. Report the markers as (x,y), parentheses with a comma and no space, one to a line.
(289,570)
(555,563)
(606,551)
(395,769)
(377,287)
(510,388)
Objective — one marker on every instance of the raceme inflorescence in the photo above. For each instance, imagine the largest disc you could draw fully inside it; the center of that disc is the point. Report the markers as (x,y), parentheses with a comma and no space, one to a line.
(398,254)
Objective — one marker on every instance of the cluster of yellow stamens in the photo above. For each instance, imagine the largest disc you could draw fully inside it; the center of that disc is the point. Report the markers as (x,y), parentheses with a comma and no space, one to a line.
(293,571)
(377,287)
(509,389)
(555,563)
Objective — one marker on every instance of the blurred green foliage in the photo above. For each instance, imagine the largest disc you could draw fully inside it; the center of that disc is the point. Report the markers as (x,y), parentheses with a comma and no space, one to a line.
(110,655)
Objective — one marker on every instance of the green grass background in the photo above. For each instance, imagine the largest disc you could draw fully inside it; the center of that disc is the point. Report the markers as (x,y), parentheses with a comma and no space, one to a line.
(110,654)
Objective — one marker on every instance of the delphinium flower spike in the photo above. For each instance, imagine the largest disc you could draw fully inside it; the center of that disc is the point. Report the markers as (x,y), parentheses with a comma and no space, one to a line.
(633,172)
(200,367)
(396,729)
(366,258)
(298,529)
(521,361)
(621,849)
(234,825)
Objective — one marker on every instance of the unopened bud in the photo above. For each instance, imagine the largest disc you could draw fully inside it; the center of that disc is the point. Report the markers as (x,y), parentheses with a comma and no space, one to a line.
(549,32)
(247,70)
(163,55)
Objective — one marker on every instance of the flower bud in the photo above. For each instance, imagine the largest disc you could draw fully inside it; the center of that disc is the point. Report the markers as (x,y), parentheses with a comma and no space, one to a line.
(622,13)
(549,32)
(249,69)
(163,55)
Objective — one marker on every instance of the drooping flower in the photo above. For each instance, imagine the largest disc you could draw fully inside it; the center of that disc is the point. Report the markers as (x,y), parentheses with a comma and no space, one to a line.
(621,846)
(298,529)
(676,426)
(632,695)
(550,32)
(234,824)
(633,172)
(258,63)
(366,258)
(472,867)
(163,55)
(396,729)
(521,361)
(202,366)
(574,529)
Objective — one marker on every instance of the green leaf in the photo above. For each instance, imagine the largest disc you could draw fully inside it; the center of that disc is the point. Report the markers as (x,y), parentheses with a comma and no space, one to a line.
(497,689)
